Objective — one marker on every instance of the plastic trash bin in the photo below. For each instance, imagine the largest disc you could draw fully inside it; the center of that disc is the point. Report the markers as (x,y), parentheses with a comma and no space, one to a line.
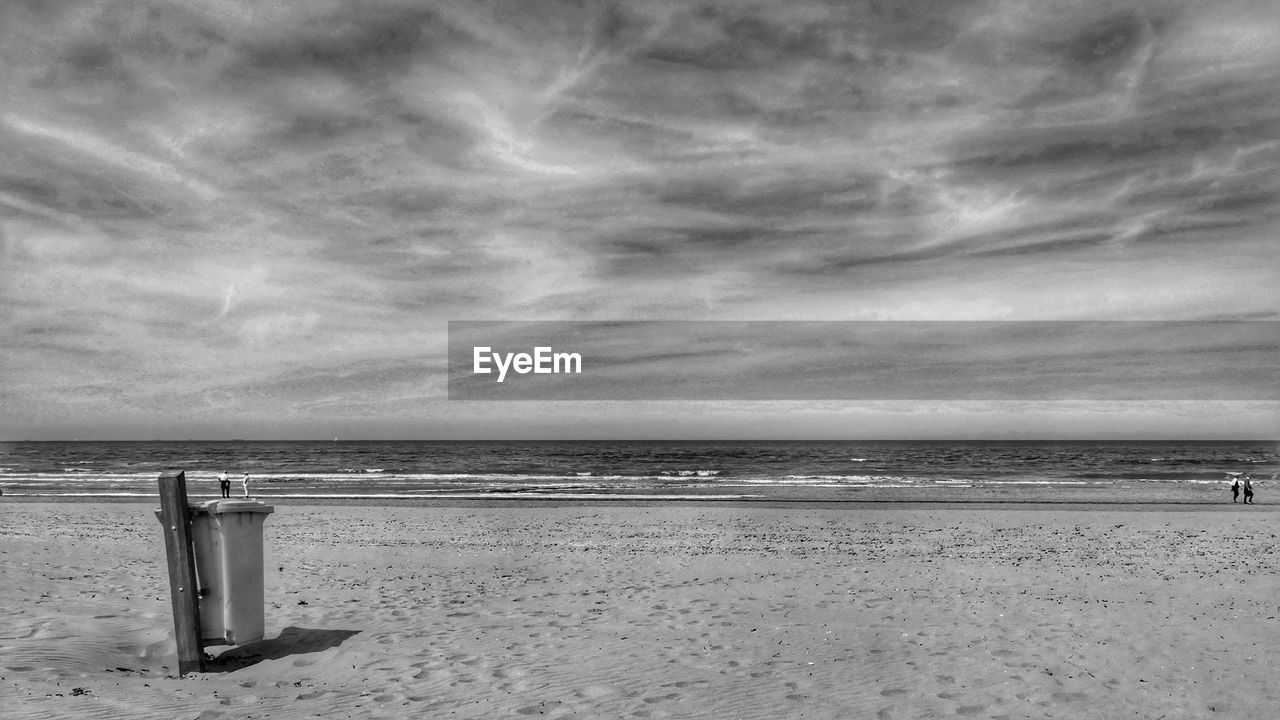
(227,535)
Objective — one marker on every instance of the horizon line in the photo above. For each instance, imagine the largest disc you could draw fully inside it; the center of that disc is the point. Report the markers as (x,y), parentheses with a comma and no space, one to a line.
(654,440)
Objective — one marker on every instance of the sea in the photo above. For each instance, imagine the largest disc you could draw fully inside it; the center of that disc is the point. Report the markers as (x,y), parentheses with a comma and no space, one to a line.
(406,471)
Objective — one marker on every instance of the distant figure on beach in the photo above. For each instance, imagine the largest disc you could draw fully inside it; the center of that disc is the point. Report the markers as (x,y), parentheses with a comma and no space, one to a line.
(1248,490)
(1235,489)
(224,484)
(244,482)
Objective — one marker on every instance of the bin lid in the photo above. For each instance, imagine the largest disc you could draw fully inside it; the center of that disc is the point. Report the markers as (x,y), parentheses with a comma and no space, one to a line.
(232,505)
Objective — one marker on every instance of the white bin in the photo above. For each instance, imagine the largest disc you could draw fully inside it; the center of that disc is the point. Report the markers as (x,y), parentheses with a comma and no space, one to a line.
(227,535)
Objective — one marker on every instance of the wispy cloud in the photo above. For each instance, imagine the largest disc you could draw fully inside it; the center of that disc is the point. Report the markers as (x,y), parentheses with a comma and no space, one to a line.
(202,201)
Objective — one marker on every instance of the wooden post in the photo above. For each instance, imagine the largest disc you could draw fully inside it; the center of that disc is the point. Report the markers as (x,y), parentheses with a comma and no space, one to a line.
(176,518)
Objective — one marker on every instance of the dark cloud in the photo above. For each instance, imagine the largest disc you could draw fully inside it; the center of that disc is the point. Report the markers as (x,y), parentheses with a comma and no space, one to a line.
(89,61)
(81,195)
(318,129)
(787,193)
(731,37)
(380,38)
(1075,242)
(694,250)
(1110,41)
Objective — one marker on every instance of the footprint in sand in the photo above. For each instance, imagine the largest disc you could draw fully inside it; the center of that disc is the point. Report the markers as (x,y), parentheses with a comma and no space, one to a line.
(890,692)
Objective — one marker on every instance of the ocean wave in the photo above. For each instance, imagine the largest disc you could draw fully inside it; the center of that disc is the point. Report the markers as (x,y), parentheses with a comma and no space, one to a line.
(361,484)
(78,478)
(444,495)
(1046,482)
(822,480)
(860,479)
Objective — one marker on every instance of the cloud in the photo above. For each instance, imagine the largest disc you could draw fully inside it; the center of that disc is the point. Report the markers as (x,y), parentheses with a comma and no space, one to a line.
(247,191)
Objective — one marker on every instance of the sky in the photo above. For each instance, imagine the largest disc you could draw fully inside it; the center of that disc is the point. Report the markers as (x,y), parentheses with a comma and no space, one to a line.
(235,219)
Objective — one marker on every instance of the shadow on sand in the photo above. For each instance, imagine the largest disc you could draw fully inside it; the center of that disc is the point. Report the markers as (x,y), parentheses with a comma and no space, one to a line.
(290,641)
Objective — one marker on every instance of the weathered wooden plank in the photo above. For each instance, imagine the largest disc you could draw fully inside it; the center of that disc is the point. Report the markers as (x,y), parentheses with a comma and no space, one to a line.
(176,518)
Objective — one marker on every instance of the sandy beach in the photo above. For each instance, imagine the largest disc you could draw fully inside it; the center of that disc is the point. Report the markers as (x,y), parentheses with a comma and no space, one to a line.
(662,611)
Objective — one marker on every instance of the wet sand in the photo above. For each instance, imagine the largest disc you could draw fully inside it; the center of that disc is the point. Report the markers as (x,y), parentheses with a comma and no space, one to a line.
(663,610)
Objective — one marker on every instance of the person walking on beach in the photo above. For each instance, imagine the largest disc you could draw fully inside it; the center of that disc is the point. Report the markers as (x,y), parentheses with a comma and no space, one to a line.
(1235,489)
(1248,491)
(244,482)
(224,484)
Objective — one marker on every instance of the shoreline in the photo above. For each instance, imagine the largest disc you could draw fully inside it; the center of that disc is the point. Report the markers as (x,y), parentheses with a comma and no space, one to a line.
(604,501)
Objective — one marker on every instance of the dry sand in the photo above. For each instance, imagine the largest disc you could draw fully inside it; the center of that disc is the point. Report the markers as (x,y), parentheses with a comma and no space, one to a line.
(662,611)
